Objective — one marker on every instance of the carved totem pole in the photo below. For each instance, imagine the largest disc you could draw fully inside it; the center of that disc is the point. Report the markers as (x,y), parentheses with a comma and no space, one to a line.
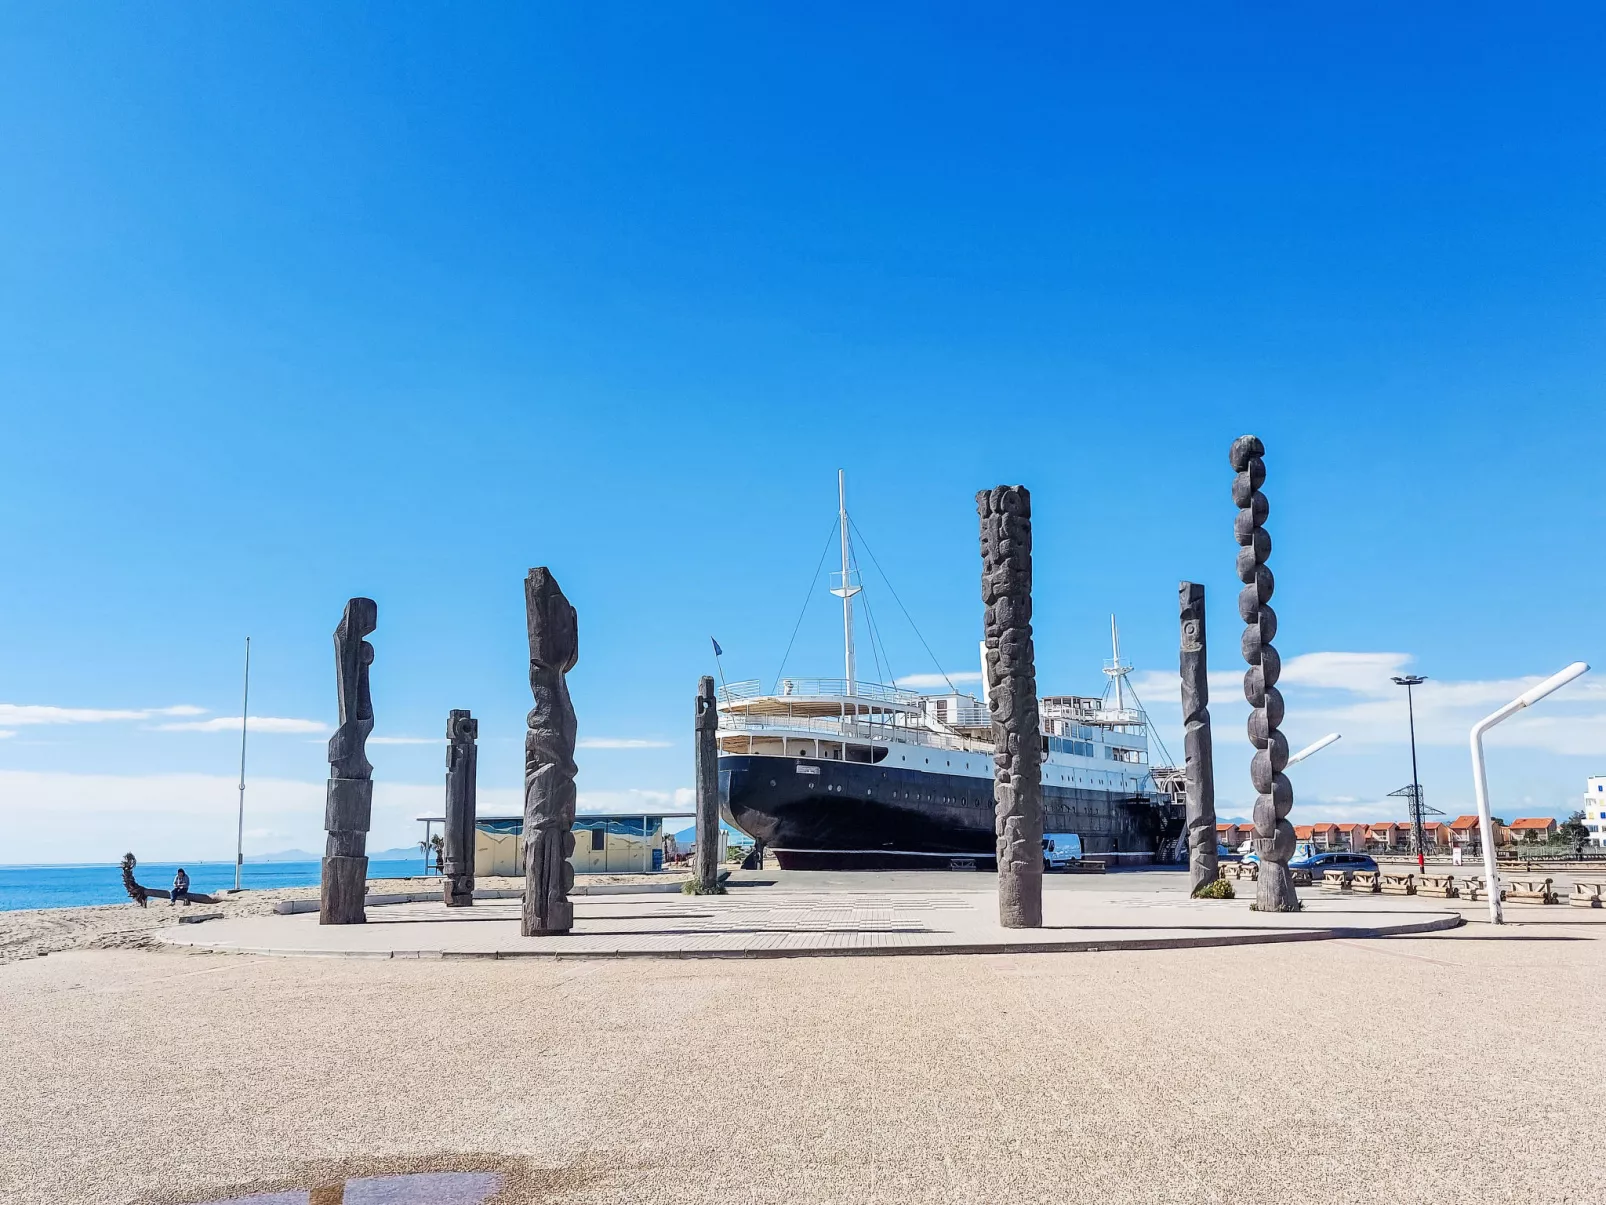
(350,799)
(549,767)
(1274,835)
(462,765)
(705,753)
(1201,774)
(1006,591)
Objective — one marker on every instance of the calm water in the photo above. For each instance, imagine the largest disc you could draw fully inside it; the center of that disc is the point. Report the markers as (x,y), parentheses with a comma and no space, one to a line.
(73,886)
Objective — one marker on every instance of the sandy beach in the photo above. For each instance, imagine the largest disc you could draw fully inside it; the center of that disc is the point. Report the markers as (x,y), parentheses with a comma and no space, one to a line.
(36,932)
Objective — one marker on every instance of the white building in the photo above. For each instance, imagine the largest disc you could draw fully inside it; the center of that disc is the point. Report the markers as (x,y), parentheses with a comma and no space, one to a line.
(1595,808)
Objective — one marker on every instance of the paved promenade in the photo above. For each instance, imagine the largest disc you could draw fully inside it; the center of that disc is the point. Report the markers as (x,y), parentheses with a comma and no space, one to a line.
(783,921)
(1339,1072)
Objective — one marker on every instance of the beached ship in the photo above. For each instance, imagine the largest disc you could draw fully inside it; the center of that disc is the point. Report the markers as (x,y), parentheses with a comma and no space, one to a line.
(840,772)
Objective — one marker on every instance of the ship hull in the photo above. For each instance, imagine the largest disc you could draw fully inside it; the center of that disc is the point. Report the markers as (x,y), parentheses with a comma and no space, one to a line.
(835,815)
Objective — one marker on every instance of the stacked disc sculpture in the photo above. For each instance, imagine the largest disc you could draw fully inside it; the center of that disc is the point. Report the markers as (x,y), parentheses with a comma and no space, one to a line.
(1274,835)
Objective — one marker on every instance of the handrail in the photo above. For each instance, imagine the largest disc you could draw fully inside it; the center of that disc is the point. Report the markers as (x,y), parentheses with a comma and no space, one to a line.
(830,688)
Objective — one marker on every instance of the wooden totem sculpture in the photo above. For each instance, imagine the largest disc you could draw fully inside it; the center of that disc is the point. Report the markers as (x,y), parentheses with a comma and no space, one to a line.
(462,764)
(349,802)
(705,753)
(549,767)
(1200,767)
(1274,835)
(1006,591)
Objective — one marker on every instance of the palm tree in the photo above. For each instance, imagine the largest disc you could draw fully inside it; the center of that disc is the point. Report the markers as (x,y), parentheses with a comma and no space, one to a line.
(434,847)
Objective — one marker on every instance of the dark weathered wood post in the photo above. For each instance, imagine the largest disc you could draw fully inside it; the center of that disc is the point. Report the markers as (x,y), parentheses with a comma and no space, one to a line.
(462,758)
(705,755)
(1006,590)
(1274,835)
(349,802)
(549,767)
(1200,764)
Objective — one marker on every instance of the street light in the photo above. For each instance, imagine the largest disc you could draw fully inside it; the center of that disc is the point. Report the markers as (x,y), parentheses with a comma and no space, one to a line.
(1317,747)
(1418,834)
(1480,781)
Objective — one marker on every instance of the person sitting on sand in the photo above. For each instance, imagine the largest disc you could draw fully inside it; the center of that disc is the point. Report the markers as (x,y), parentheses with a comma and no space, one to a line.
(181,888)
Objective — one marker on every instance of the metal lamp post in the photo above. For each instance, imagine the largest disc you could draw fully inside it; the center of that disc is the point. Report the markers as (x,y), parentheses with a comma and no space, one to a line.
(1315,747)
(1480,781)
(1418,833)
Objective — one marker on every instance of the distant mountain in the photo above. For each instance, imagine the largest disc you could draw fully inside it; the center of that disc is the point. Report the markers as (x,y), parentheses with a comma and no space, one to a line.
(403,854)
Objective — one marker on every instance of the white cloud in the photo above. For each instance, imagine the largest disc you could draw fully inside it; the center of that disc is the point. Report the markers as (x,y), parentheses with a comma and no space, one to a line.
(28,713)
(258,723)
(1360,673)
(61,817)
(1351,693)
(407,740)
(635,799)
(620,742)
(925,681)
(6,733)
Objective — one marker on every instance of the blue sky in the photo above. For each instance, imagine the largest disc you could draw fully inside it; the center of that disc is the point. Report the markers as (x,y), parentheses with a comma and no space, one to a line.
(301,303)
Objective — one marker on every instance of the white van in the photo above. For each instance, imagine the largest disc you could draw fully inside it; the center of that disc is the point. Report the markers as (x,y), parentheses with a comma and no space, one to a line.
(1061,851)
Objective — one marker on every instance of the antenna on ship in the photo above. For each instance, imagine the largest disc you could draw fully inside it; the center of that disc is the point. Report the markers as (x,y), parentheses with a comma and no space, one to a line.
(848,578)
(1115,669)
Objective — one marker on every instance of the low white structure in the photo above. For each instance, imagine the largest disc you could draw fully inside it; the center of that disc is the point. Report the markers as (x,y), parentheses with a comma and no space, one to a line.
(1595,808)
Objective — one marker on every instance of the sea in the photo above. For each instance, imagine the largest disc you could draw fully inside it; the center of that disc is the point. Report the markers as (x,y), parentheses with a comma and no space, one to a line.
(76,886)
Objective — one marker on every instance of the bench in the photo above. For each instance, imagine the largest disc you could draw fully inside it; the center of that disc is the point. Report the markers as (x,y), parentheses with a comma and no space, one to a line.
(1531,891)
(1364,881)
(1336,880)
(1398,884)
(1440,886)
(1588,895)
(1299,878)
(1473,888)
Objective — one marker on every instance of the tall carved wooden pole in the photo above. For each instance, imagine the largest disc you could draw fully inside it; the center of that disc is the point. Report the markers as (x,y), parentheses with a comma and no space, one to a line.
(1201,823)
(1006,590)
(462,765)
(705,753)
(1274,835)
(348,805)
(549,767)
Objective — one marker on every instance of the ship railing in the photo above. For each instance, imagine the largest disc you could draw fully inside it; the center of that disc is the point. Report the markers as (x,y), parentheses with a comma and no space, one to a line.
(831,688)
(844,728)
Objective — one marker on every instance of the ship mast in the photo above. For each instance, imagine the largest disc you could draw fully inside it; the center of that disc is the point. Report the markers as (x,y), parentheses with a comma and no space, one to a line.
(848,587)
(1115,669)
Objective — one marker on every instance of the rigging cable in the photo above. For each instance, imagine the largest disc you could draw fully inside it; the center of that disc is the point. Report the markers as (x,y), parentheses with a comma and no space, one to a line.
(1148,723)
(810,593)
(874,561)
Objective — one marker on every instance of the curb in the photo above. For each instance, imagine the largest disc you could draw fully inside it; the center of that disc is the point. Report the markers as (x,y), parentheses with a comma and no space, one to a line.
(1081,946)
(295,907)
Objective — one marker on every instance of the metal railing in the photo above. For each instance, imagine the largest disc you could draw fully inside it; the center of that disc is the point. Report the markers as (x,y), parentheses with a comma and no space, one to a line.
(848,729)
(832,688)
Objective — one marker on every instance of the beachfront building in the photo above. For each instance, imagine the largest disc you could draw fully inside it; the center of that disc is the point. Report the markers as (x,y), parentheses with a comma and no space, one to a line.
(1595,808)
(1533,828)
(1383,837)
(604,843)
(1352,837)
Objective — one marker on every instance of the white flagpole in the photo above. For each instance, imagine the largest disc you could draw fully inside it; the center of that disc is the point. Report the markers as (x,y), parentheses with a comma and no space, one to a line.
(245,711)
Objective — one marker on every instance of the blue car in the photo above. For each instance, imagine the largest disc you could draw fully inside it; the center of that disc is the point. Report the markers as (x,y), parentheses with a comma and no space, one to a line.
(1322,863)
(1319,864)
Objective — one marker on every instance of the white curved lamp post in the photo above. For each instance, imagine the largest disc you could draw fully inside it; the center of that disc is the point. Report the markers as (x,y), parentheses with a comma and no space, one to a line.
(1314,748)
(1480,782)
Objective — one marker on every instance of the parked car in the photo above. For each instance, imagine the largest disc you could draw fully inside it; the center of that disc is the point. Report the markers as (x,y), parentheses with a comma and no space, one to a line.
(1335,860)
(1320,864)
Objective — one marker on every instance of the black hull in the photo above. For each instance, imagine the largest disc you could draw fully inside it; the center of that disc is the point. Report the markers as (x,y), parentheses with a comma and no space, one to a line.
(840,815)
